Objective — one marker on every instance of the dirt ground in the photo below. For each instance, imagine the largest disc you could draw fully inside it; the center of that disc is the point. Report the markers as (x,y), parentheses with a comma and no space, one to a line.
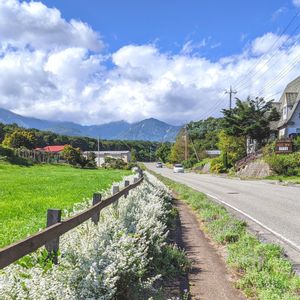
(209,279)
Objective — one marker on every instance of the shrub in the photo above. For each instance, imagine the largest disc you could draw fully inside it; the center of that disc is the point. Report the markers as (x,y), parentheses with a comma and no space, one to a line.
(122,257)
(114,163)
(265,273)
(284,164)
(217,165)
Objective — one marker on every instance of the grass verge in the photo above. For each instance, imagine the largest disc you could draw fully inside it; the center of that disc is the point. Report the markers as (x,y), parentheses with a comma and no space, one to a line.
(263,270)
(285,178)
(27,192)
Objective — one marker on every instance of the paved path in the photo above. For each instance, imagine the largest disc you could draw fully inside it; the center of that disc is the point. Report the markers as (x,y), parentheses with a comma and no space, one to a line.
(208,279)
(275,208)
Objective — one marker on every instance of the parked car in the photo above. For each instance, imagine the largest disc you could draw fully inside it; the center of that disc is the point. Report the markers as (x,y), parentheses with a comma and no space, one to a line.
(178,168)
(159,165)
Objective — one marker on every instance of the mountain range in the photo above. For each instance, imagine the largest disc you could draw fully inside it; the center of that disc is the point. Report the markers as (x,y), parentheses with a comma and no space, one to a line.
(147,130)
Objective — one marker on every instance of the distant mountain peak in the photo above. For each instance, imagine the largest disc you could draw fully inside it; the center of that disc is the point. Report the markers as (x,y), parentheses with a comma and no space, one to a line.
(149,129)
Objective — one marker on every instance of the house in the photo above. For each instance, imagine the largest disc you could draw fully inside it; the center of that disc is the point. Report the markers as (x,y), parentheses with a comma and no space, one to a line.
(52,149)
(289,123)
(101,155)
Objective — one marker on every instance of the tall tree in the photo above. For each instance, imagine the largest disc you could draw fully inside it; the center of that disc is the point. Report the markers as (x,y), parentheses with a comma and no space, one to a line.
(250,119)
(163,152)
(20,138)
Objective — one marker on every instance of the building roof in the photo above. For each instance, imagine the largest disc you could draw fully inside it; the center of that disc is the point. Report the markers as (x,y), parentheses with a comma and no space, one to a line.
(292,87)
(109,152)
(57,148)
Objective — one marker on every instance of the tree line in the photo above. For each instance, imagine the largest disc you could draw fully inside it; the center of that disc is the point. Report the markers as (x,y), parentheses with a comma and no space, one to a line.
(14,136)
(250,119)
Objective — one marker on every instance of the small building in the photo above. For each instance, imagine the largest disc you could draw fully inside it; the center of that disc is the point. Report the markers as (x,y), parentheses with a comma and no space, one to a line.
(289,123)
(52,149)
(101,155)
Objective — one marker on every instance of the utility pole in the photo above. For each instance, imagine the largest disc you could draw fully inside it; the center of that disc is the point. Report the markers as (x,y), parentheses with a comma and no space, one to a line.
(185,144)
(98,152)
(230,92)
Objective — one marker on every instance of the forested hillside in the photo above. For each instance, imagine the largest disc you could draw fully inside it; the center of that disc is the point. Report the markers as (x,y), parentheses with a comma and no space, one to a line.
(15,137)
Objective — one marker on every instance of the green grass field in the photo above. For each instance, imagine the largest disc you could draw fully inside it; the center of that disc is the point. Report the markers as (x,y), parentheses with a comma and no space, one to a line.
(27,192)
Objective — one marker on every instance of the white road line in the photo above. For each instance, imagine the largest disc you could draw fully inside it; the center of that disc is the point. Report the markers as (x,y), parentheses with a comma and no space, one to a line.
(258,222)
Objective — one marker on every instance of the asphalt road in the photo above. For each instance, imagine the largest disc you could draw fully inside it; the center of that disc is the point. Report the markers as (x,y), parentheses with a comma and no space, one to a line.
(274,207)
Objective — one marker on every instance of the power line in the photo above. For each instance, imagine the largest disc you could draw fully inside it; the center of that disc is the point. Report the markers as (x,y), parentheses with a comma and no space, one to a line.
(230,92)
(251,69)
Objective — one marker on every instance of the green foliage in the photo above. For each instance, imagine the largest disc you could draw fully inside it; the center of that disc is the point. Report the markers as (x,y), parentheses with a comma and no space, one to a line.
(20,138)
(178,149)
(8,155)
(265,273)
(140,149)
(284,164)
(72,155)
(171,262)
(269,149)
(217,165)
(232,149)
(204,133)
(114,163)
(91,160)
(296,143)
(5,151)
(27,193)
(250,118)
(163,152)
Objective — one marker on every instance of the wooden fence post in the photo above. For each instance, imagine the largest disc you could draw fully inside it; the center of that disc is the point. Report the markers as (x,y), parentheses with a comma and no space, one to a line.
(115,189)
(97,197)
(53,217)
(126,183)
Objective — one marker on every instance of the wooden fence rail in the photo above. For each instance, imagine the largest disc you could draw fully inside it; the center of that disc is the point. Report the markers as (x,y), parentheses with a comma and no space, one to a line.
(50,235)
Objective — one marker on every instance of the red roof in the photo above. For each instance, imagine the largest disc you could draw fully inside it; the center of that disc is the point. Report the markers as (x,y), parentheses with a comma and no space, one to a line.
(57,148)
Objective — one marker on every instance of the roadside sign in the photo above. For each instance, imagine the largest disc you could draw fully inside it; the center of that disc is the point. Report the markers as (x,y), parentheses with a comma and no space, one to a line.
(284,146)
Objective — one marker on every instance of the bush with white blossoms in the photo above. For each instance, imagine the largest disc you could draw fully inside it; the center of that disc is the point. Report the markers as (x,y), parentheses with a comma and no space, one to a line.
(115,259)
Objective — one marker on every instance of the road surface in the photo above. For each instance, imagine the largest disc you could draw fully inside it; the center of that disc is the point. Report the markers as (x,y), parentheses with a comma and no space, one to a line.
(272,207)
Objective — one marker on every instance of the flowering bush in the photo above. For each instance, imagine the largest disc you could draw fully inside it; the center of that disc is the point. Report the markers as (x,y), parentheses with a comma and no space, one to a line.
(114,259)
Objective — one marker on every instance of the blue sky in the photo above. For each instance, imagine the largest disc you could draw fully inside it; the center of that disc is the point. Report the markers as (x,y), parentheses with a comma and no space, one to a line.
(93,62)
(225,27)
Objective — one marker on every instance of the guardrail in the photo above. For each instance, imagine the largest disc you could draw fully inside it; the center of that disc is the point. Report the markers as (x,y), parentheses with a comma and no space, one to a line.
(55,227)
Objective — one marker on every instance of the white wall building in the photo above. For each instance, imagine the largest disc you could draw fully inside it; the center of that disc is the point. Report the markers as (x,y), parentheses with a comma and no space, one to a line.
(100,156)
(289,123)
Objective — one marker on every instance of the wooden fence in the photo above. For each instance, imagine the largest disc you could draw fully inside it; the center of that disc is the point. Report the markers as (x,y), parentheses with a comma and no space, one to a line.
(39,155)
(55,227)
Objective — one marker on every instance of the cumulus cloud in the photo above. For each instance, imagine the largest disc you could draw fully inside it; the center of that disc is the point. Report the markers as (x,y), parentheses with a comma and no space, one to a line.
(48,73)
(34,24)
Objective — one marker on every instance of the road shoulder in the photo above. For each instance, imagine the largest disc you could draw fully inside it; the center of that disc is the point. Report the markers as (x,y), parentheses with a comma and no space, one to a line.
(209,277)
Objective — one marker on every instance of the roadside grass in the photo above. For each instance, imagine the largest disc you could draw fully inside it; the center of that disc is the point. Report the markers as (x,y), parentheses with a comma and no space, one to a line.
(284,178)
(263,270)
(27,192)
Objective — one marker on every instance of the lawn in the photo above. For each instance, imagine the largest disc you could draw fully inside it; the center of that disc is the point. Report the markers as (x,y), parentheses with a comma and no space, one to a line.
(27,192)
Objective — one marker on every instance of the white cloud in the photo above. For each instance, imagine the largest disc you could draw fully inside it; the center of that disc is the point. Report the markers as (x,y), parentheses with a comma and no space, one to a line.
(267,42)
(296,3)
(34,24)
(57,77)
(277,13)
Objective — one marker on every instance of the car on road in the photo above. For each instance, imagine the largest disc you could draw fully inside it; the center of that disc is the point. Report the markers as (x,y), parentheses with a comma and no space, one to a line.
(178,168)
(159,165)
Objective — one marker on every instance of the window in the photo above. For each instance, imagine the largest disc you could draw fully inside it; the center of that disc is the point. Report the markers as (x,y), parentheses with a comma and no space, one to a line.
(291,98)
(284,112)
